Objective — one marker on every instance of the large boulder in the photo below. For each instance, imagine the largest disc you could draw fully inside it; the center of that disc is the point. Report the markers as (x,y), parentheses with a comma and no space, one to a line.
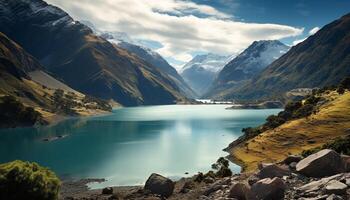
(160,185)
(107,190)
(239,191)
(323,163)
(268,189)
(273,170)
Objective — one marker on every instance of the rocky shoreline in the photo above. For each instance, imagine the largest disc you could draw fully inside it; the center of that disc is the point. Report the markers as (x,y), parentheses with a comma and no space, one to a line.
(324,175)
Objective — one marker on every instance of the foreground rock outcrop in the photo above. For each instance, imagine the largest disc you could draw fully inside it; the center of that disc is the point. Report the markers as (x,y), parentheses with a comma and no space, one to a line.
(294,178)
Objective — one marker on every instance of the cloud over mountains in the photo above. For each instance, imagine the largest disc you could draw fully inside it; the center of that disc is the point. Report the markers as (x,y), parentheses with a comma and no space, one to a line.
(181,27)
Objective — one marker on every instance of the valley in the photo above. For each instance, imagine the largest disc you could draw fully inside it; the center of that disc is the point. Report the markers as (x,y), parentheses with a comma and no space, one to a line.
(174,99)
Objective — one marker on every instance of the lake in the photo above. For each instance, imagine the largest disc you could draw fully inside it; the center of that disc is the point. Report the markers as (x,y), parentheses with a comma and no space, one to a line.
(128,145)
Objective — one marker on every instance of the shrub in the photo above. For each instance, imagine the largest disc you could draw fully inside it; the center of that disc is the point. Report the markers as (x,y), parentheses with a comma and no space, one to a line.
(293,106)
(304,111)
(312,100)
(274,121)
(199,177)
(340,90)
(222,167)
(340,145)
(25,180)
(251,132)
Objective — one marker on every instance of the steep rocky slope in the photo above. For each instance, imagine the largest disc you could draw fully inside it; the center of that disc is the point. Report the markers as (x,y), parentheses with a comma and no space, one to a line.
(27,91)
(159,62)
(329,119)
(322,59)
(86,62)
(246,65)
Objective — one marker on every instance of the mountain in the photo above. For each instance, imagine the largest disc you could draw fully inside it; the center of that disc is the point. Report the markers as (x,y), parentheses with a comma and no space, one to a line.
(322,59)
(124,41)
(86,62)
(116,37)
(200,72)
(246,65)
(159,62)
(29,95)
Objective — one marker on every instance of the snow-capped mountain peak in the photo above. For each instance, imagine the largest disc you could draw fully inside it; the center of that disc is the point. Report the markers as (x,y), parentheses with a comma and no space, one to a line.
(211,62)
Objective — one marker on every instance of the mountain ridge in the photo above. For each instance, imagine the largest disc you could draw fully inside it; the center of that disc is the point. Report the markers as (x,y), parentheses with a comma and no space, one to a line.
(322,59)
(86,62)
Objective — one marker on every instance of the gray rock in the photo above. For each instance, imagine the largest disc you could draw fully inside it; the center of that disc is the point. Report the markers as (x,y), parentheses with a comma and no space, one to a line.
(293,165)
(323,163)
(268,189)
(160,185)
(273,170)
(239,191)
(346,162)
(292,158)
(211,189)
(334,197)
(318,185)
(347,181)
(253,179)
(320,197)
(335,187)
(208,180)
(218,185)
(188,186)
(107,190)
(263,165)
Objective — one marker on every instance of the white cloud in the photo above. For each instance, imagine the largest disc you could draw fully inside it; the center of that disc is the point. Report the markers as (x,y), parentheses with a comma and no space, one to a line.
(181,27)
(295,42)
(311,32)
(314,30)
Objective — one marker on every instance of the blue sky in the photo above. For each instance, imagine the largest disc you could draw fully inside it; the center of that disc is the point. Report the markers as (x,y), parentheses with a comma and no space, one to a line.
(181,29)
(298,13)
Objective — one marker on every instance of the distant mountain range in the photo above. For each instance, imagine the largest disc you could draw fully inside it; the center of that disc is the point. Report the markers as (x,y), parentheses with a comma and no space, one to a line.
(246,65)
(86,62)
(321,60)
(200,72)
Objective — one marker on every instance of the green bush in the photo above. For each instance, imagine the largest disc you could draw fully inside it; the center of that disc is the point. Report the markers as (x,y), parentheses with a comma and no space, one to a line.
(340,145)
(27,181)
(274,121)
(222,167)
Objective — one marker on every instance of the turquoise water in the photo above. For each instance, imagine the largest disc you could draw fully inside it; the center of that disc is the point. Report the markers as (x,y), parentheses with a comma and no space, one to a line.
(131,143)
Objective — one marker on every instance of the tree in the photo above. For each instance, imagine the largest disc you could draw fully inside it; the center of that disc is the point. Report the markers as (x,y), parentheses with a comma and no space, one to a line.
(222,167)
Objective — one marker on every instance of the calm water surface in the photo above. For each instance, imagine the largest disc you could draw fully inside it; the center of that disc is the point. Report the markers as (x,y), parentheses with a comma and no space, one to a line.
(131,143)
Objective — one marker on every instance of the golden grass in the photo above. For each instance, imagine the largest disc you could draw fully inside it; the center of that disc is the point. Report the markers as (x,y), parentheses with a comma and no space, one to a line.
(50,116)
(332,120)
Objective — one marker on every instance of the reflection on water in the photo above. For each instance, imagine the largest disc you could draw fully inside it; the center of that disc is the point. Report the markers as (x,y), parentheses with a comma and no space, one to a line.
(131,143)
